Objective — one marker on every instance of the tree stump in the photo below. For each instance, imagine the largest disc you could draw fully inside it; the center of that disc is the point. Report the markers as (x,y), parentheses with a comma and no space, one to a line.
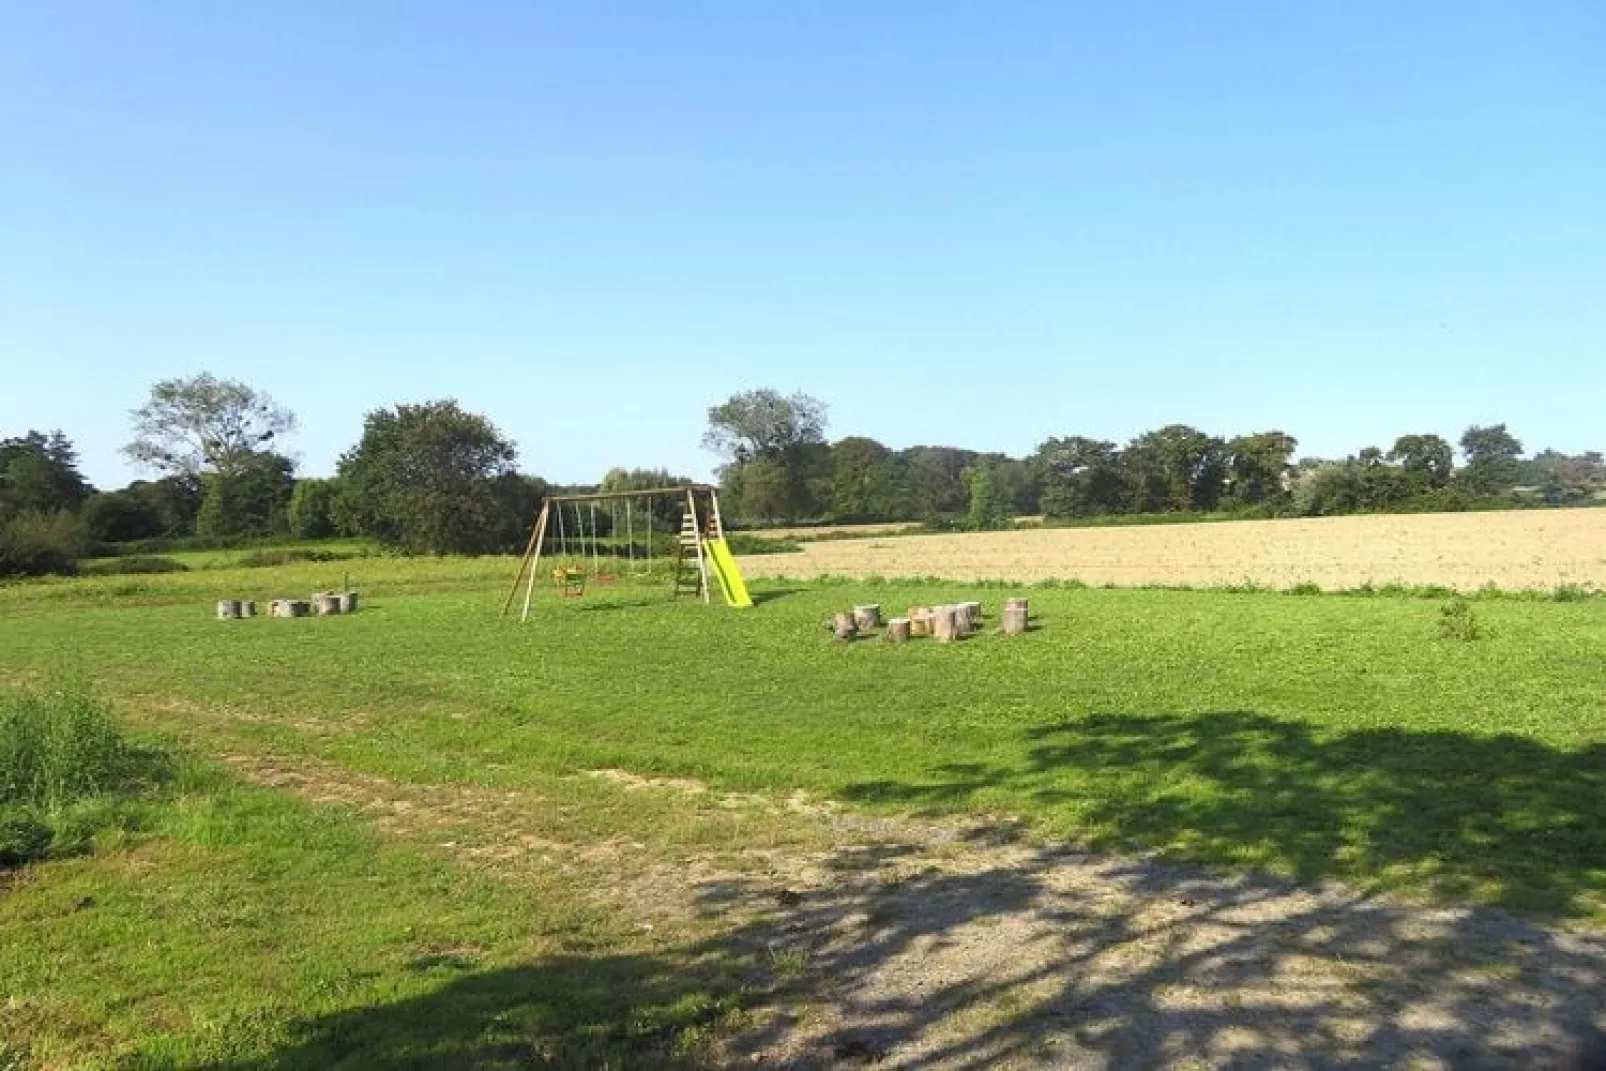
(348,602)
(1015,603)
(964,623)
(897,630)
(326,603)
(228,609)
(248,608)
(844,628)
(1015,620)
(289,608)
(919,620)
(945,623)
(975,612)
(867,617)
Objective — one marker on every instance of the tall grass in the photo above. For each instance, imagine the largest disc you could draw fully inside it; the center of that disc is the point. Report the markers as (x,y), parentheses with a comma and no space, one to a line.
(65,771)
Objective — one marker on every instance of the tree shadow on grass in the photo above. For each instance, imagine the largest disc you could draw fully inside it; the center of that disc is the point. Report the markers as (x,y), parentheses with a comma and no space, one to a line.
(1501,819)
(1013,955)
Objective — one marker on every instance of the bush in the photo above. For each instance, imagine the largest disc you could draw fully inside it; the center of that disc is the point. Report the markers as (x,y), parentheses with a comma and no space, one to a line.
(1458,622)
(745,543)
(24,837)
(37,544)
(267,559)
(139,563)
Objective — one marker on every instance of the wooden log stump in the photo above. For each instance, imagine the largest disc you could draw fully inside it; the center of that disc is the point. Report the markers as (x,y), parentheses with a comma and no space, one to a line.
(248,608)
(897,630)
(1018,603)
(228,609)
(326,603)
(975,613)
(867,617)
(348,602)
(945,623)
(964,623)
(1015,620)
(290,608)
(919,620)
(844,627)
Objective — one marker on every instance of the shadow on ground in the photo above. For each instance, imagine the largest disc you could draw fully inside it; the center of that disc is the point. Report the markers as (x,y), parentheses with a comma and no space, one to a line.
(1503,819)
(947,945)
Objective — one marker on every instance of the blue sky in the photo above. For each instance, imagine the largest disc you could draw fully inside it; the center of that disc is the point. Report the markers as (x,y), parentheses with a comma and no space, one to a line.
(965,223)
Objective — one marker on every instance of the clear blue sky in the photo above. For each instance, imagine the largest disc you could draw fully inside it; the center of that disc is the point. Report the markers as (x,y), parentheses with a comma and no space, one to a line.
(968,223)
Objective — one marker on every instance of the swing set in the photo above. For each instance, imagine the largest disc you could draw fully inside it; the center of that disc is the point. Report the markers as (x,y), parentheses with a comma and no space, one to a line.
(585,555)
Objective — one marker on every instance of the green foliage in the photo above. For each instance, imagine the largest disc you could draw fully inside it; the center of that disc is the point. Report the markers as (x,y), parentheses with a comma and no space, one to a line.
(1080,477)
(1427,460)
(24,838)
(135,564)
(39,474)
(778,465)
(748,543)
(160,509)
(865,479)
(1458,621)
(250,500)
(37,544)
(276,556)
(431,479)
(58,747)
(310,512)
(987,509)
(1492,455)
(205,424)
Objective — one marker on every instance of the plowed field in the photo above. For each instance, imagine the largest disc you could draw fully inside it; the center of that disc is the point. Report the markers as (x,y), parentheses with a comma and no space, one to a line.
(1513,550)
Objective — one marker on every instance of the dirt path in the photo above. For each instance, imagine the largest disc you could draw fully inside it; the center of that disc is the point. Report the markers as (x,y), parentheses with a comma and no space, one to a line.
(958,945)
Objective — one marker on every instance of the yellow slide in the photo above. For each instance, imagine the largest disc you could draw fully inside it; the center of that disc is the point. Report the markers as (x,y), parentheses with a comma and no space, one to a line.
(731,584)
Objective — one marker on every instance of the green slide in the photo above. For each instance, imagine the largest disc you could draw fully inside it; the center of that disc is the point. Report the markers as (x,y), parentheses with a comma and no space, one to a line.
(731,583)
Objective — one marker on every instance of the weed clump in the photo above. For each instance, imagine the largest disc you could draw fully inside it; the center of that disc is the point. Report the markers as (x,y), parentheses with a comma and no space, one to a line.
(1457,621)
(64,767)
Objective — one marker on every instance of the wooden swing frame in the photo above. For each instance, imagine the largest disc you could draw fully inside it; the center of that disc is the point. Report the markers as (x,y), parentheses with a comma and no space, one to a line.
(571,582)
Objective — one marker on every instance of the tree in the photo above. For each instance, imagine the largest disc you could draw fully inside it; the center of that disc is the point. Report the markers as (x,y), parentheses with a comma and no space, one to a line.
(39,474)
(934,477)
(1428,461)
(205,424)
(250,500)
(864,481)
(1175,468)
(1079,477)
(425,479)
(987,509)
(787,432)
(310,514)
(1258,467)
(1491,452)
(1563,479)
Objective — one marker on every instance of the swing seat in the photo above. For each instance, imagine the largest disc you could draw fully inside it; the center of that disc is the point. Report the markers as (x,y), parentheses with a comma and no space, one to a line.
(571,582)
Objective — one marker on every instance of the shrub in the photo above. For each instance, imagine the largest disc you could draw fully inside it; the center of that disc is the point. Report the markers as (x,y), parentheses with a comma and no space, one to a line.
(36,544)
(137,564)
(746,543)
(58,747)
(1457,621)
(267,559)
(24,837)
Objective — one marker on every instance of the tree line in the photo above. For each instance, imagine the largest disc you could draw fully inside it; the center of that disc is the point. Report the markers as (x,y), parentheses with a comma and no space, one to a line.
(435,478)
(779,465)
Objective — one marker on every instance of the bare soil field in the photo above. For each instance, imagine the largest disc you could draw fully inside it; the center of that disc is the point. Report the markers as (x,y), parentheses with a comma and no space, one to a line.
(1535,549)
(833,531)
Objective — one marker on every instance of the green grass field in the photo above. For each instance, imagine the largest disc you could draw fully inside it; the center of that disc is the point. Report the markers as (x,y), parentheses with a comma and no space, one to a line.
(1315,737)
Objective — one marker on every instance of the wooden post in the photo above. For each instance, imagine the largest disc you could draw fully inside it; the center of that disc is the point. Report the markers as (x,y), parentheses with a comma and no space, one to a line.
(945,624)
(535,556)
(897,630)
(1016,619)
(867,617)
(228,609)
(844,627)
(531,550)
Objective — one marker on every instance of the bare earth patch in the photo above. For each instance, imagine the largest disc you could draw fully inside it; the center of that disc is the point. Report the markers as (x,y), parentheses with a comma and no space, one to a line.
(1512,550)
(955,944)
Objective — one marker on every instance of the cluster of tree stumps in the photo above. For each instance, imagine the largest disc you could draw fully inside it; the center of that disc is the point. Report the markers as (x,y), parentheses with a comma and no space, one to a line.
(322,604)
(945,624)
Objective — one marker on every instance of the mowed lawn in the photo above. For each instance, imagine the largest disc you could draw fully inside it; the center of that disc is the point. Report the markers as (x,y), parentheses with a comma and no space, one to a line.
(1313,736)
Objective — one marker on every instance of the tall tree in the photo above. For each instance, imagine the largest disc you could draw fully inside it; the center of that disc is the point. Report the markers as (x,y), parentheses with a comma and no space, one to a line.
(935,479)
(1175,468)
(1428,461)
(1079,477)
(787,432)
(1258,467)
(251,499)
(864,481)
(205,424)
(1492,455)
(39,474)
(425,478)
